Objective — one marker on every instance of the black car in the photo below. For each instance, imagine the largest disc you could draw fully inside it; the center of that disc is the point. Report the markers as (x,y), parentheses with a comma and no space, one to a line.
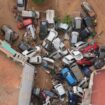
(73,99)
(102,52)
(99,63)
(43,30)
(88,21)
(24,46)
(87,72)
(84,34)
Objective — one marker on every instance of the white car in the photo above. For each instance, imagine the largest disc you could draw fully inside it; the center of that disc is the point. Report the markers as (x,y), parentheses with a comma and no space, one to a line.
(78,90)
(77,22)
(51,36)
(80,45)
(35,60)
(21,5)
(68,59)
(76,54)
(74,37)
(60,90)
(48,60)
(59,45)
(31,53)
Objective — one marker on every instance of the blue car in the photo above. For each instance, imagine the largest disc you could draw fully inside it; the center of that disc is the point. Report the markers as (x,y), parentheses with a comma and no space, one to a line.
(72,98)
(70,78)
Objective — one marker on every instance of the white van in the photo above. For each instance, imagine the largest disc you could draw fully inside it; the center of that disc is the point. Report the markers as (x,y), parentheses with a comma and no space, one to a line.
(50,15)
(77,23)
(74,37)
(59,45)
(35,60)
(48,60)
(52,35)
(30,14)
(31,53)
(21,5)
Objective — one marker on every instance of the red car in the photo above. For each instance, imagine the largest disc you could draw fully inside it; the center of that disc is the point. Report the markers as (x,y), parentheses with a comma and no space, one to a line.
(84,61)
(90,48)
(24,23)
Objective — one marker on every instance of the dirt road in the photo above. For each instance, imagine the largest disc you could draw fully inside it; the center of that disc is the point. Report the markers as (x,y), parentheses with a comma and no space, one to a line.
(10,77)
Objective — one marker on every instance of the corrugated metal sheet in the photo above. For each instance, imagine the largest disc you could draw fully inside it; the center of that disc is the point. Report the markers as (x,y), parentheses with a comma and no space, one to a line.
(26,85)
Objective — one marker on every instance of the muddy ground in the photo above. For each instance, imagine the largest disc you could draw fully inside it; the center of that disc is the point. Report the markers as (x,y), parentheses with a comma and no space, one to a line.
(9,78)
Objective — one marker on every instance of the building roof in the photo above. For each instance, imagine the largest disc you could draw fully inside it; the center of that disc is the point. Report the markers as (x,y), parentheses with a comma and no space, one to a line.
(26,85)
(7,46)
(98,93)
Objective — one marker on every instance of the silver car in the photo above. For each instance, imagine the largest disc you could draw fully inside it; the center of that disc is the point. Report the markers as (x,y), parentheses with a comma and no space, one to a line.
(10,35)
(80,45)
(21,5)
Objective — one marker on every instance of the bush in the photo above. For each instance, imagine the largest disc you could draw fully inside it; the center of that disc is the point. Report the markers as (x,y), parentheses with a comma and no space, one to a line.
(67,19)
(38,1)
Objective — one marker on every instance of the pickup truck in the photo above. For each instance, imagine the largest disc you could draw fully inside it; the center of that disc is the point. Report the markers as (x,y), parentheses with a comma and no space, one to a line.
(77,72)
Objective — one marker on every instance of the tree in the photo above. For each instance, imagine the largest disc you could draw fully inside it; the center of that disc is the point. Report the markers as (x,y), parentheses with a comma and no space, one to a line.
(38,1)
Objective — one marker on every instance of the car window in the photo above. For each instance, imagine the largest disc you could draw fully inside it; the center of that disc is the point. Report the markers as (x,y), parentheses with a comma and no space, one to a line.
(82,44)
(62,96)
(75,46)
(102,50)
(30,52)
(38,59)
(66,74)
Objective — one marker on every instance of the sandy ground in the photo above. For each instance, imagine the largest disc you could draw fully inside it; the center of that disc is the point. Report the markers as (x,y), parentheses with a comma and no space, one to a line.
(8,86)
(9,81)
(43,79)
(6,15)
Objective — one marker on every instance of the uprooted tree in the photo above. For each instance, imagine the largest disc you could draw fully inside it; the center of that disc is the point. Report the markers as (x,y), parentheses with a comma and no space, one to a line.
(38,1)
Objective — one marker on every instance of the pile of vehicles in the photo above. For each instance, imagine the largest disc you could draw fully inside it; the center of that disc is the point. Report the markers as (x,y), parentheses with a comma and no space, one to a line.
(75,62)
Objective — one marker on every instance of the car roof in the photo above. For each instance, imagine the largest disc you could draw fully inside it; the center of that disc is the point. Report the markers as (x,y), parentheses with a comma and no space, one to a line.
(69,57)
(60,89)
(71,78)
(76,52)
(79,43)
(78,18)
(52,35)
(64,70)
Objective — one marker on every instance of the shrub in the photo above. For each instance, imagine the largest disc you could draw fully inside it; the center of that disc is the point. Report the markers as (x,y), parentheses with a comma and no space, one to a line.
(67,19)
(38,1)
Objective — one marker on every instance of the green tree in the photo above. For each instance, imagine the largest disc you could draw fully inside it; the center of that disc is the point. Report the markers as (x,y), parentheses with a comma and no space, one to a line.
(38,1)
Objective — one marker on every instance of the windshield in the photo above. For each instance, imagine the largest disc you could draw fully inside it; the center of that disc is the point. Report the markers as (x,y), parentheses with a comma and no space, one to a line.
(66,74)
(63,95)
(78,57)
